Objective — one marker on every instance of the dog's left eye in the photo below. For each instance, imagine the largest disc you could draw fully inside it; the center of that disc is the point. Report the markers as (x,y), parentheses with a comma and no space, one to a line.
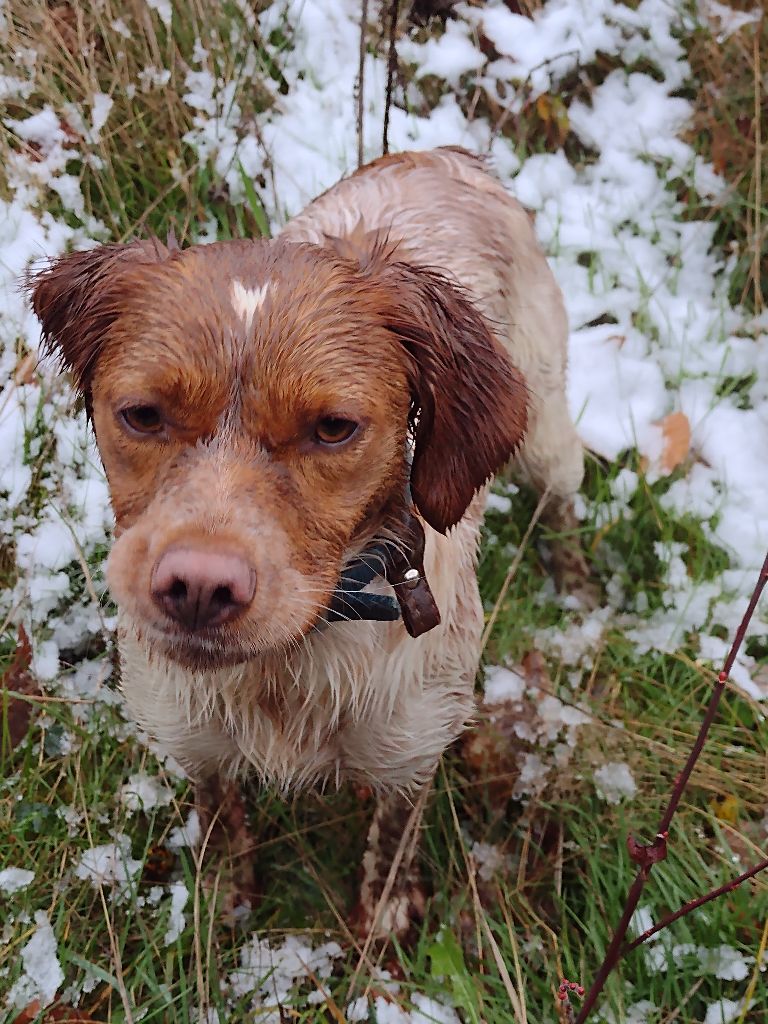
(334,430)
(143,419)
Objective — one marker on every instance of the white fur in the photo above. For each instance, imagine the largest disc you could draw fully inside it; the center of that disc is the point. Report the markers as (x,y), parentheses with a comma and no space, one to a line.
(246,301)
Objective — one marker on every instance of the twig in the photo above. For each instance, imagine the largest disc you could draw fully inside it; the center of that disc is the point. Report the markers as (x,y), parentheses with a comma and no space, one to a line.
(695,904)
(758,242)
(360,84)
(394,11)
(647,856)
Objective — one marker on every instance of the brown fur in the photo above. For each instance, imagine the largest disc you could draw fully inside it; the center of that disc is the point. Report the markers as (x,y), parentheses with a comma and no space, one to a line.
(411,299)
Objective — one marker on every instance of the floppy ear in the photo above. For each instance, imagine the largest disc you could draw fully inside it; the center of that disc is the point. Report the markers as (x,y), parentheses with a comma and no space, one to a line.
(76,299)
(469,403)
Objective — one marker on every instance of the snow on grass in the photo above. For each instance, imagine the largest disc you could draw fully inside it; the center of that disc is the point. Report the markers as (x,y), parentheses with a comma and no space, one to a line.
(144,792)
(110,864)
(42,974)
(615,782)
(269,973)
(15,879)
(176,919)
(652,332)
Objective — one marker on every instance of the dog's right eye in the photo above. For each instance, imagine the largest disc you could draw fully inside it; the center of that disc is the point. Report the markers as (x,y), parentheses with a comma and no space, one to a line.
(142,419)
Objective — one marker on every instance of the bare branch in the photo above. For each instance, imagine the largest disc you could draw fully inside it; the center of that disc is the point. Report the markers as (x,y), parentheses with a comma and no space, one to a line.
(647,856)
(394,11)
(360,84)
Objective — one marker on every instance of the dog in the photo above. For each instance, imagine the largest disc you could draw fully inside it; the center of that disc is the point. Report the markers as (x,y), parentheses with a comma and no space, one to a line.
(298,436)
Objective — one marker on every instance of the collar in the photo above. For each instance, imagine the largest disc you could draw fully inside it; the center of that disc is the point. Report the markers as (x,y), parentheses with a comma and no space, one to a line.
(401,564)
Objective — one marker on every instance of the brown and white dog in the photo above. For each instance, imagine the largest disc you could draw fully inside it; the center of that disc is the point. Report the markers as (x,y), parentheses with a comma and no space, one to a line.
(270,411)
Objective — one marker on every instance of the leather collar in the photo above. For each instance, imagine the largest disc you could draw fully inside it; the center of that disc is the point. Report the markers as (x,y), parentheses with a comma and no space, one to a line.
(401,564)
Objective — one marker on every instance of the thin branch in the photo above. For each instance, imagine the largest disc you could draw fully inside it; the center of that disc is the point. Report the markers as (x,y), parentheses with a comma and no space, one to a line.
(695,904)
(647,856)
(394,12)
(360,84)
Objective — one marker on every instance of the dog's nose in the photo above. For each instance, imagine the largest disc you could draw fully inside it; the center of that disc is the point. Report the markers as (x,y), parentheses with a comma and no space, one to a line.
(199,589)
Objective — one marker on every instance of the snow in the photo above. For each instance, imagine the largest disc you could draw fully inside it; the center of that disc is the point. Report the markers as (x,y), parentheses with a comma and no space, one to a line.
(15,879)
(652,332)
(145,792)
(164,10)
(271,972)
(489,860)
(188,834)
(432,1011)
(110,864)
(723,1011)
(176,920)
(615,782)
(502,684)
(42,971)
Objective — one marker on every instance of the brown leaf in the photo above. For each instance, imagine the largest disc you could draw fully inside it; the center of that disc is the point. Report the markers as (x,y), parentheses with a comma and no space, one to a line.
(25,369)
(58,1013)
(677,440)
(19,679)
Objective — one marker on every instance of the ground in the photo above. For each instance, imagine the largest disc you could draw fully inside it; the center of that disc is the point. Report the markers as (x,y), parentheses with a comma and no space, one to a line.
(634,134)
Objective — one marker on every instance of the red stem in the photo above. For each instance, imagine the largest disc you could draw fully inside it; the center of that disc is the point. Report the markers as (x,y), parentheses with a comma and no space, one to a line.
(614,951)
(694,904)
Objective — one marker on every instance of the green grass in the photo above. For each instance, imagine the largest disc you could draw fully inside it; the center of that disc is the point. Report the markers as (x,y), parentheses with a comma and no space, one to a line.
(553,909)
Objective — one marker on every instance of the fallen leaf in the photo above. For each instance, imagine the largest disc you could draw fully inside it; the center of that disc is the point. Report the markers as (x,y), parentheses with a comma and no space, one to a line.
(677,440)
(25,369)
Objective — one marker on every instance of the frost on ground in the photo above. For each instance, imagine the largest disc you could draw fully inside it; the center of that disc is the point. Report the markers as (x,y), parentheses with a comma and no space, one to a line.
(653,337)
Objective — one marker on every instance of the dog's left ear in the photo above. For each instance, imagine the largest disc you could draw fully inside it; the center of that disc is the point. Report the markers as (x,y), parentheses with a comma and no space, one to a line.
(470,404)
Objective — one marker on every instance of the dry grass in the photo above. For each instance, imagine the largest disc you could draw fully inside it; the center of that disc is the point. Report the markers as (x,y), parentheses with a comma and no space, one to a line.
(146,177)
(730,128)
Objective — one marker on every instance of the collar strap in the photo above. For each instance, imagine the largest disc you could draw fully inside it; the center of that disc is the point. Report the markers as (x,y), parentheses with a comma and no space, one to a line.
(401,564)
(350,602)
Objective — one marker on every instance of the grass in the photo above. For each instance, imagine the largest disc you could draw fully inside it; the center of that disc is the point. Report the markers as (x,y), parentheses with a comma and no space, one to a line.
(549,912)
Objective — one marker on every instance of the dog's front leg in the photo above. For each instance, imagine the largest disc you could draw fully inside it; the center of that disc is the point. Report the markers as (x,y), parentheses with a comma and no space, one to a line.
(392,898)
(228,851)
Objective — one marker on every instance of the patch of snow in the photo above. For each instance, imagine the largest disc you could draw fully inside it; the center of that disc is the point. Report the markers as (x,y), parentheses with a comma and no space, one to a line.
(502,684)
(176,921)
(188,834)
(489,860)
(723,1011)
(15,879)
(164,8)
(42,971)
(615,782)
(110,864)
(144,792)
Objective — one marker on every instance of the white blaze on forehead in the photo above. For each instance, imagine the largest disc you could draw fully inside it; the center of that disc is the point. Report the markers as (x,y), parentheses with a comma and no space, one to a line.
(247,300)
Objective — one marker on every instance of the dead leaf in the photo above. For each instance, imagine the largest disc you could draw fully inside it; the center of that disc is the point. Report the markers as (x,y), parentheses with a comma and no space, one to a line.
(25,370)
(18,678)
(57,1013)
(677,440)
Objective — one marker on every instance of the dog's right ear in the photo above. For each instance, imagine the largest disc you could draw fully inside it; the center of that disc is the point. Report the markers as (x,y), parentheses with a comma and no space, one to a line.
(77,299)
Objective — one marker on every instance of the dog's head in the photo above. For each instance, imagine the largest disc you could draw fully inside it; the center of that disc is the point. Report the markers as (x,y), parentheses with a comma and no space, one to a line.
(253,404)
